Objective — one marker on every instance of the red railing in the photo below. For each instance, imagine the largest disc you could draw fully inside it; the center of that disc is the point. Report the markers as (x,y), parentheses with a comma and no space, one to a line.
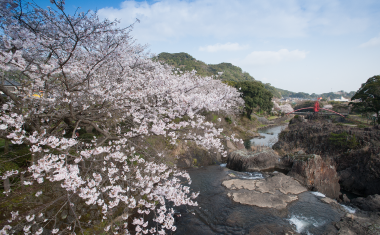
(313,108)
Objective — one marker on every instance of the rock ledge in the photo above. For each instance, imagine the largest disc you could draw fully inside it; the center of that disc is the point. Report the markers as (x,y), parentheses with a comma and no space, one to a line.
(273,192)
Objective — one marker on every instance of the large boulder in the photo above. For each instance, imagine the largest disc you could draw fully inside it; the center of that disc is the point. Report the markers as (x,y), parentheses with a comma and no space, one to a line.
(273,192)
(243,160)
(195,156)
(234,146)
(359,223)
(251,134)
(316,174)
(357,160)
(370,203)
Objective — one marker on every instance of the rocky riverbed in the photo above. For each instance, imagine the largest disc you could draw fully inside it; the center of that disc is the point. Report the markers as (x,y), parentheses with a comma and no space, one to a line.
(312,172)
(276,191)
(348,158)
(355,152)
(289,190)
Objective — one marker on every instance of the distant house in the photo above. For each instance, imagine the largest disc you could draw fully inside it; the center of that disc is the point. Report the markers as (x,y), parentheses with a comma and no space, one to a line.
(11,86)
(356,100)
(342,99)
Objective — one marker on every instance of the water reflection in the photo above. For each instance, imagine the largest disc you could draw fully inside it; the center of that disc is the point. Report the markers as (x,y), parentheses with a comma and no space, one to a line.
(269,136)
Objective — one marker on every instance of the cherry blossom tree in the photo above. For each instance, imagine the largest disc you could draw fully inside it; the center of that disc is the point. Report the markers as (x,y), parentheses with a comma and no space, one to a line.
(286,108)
(89,72)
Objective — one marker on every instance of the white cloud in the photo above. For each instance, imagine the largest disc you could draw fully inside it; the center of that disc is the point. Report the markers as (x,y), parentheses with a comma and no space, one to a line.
(372,42)
(273,57)
(223,47)
(176,19)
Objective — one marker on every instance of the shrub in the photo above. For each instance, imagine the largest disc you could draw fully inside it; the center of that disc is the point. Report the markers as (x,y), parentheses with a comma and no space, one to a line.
(228,120)
(344,140)
(214,118)
(247,144)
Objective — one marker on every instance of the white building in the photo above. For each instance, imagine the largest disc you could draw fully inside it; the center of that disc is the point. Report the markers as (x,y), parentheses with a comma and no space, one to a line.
(342,99)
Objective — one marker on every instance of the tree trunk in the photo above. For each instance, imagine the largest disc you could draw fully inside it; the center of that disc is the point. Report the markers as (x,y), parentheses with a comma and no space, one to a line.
(7,184)
(22,179)
(6,146)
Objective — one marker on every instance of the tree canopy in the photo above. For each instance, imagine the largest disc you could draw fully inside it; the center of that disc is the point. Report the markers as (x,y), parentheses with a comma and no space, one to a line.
(89,72)
(255,96)
(369,96)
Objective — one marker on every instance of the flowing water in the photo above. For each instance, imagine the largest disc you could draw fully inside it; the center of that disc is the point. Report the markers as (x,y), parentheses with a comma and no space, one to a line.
(218,214)
(269,136)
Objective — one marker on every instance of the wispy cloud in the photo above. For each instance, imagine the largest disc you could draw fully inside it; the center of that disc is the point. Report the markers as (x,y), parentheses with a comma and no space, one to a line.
(224,47)
(372,42)
(175,19)
(273,57)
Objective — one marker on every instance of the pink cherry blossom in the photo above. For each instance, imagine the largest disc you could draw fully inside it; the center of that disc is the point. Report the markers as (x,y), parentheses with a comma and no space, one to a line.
(90,73)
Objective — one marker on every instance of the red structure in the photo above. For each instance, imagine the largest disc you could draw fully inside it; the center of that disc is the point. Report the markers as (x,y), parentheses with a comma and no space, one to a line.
(316,108)
(316,105)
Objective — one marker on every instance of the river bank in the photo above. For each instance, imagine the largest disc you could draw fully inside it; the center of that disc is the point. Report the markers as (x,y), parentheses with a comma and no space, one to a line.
(354,151)
(186,155)
(218,213)
(240,189)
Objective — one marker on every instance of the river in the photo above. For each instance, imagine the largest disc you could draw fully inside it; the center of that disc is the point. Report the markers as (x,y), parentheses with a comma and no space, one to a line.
(218,214)
(269,136)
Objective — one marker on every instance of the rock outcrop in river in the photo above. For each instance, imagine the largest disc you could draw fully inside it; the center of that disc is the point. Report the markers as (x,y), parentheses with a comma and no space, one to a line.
(272,192)
(355,151)
(370,203)
(316,174)
(262,159)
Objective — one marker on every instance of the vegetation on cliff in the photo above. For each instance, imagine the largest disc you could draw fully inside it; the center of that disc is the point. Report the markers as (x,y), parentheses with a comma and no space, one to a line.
(369,96)
(354,150)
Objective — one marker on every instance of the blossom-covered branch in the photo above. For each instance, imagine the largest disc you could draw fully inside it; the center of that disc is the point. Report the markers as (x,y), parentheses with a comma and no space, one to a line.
(80,70)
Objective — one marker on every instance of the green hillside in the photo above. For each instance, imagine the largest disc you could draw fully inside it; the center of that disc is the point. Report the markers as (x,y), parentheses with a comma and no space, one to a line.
(224,71)
(230,72)
(186,62)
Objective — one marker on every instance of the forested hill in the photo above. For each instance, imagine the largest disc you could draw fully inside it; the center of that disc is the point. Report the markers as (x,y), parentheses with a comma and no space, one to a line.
(225,71)
(186,62)
(230,72)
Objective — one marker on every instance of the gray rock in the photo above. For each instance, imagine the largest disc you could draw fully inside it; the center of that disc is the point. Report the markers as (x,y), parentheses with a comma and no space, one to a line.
(370,203)
(230,146)
(359,223)
(273,192)
(252,134)
(316,174)
(301,152)
(346,199)
(243,160)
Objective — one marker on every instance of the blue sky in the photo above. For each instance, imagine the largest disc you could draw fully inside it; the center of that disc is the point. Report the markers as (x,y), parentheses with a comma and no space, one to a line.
(313,46)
